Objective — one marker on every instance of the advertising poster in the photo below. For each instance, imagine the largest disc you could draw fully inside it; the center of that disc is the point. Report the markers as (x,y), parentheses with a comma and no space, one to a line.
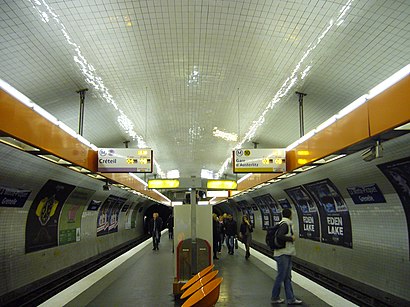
(114,214)
(398,173)
(272,205)
(43,216)
(265,212)
(70,217)
(308,217)
(284,203)
(10,197)
(94,205)
(366,194)
(103,219)
(334,214)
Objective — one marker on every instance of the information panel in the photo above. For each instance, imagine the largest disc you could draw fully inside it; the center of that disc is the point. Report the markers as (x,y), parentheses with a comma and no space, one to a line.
(125,160)
(256,160)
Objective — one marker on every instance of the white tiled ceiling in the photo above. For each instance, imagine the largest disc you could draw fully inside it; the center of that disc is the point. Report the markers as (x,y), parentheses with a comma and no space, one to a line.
(146,55)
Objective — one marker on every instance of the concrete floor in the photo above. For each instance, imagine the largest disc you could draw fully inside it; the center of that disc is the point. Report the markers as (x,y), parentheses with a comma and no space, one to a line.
(148,282)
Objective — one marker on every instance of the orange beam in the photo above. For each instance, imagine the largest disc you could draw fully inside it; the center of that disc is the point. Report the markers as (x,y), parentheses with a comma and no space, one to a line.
(21,122)
(345,132)
(391,108)
(26,125)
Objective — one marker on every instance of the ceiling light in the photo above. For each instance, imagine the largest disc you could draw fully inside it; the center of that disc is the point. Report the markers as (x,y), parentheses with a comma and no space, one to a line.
(221,184)
(244,177)
(95,176)
(304,168)
(274,180)
(163,183)
(55,159)
(231,137)
(17,144)
(381,87)
(287,175)
(403,127)
(329,158)
(138,179)
(173,174)
(79,169)
(207,174)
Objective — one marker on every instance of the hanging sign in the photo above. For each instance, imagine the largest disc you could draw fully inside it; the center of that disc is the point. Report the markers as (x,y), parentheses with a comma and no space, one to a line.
(257,160)
(125,160)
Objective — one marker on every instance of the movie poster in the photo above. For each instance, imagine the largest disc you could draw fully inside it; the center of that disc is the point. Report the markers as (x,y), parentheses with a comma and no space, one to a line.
(334,214)
(284,203)
(103,219)
(43,216)
(398,173)
(107,221)
(308,217)
(273,207)
(70,218)
(265,212)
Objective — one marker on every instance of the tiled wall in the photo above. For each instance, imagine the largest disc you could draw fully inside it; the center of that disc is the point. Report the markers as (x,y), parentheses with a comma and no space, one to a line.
(24,171)
(380,253)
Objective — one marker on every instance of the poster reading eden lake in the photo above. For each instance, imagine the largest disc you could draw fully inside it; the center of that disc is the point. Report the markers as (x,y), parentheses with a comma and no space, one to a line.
(334,214)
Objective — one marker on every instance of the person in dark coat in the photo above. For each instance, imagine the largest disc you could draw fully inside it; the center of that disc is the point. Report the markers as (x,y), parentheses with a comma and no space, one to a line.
(246,234)
(155,227)
(170,225)
(231,231)
(215,234)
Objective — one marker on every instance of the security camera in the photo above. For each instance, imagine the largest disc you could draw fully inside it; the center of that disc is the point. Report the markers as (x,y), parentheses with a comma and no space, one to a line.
(372,153)
(106,187)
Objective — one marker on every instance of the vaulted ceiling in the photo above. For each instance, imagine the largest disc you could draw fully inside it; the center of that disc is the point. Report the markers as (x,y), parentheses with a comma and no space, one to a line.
(168,74)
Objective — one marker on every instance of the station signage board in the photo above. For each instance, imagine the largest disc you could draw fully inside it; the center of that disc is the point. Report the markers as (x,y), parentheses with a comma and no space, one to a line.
(125,160)
(257,160)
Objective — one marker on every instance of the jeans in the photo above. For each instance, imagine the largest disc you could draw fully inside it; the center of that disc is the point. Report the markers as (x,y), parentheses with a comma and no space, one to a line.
(230,243)
(284,276)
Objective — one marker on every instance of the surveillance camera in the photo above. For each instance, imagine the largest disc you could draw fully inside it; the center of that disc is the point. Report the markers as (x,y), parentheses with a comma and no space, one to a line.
(106,187)
(372,153)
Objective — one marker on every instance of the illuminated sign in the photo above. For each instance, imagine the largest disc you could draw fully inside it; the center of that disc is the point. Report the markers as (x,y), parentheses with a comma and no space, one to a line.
(257,160)
(221,185)
(163,183)
(125,160)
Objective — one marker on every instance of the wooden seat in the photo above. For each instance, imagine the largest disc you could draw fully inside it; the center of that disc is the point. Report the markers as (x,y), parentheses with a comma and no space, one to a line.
(206,296)
(197,276)
(200,283)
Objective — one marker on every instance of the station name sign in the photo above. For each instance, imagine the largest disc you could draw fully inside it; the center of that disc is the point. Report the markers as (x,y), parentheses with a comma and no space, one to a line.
(125,160)
(257,160)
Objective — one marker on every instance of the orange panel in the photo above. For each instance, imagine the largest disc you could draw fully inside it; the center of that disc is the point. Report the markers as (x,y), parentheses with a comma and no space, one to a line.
(21,122)
(391,108)
(346,131)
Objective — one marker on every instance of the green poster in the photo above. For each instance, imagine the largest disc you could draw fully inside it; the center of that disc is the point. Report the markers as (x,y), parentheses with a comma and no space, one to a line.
(70,217)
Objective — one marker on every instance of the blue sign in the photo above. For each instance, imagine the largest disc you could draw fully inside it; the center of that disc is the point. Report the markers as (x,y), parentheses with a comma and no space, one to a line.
(366,194)
(10,197)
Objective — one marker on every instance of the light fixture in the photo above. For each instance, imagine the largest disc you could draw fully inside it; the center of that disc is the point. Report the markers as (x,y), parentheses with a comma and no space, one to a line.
(221,184)
(17,144)
(329,158)
(304,168)
(95,176)
(138,179)
(79,169)
(244,177)
(286,175)
(55,159)
(163,183)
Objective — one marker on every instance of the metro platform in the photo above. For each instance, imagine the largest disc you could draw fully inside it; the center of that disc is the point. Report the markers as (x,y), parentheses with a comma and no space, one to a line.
(144,277)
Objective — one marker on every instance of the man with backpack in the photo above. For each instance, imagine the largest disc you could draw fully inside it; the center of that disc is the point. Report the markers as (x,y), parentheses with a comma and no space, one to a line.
(282,254)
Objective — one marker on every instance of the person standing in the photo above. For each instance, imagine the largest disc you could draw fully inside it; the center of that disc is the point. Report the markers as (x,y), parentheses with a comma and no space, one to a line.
(283,257)
(246,234)
(215,235)
(155,227)
(231,231)
(170,225)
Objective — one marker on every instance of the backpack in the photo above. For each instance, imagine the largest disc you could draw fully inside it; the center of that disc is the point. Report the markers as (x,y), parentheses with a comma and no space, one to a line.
(271,239)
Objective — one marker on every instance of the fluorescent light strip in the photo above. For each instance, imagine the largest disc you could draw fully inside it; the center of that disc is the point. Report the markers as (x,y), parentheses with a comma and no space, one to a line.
(162,195)
(244,177)
(138,179)
(396,77)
